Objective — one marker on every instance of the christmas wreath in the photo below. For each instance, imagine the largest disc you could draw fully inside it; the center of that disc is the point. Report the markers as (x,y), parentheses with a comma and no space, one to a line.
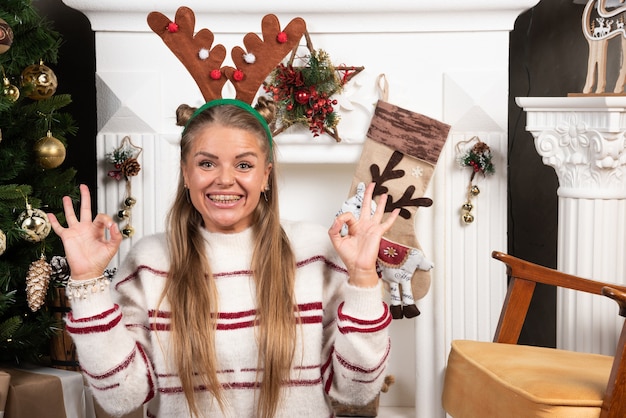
(303,94)
(478,158)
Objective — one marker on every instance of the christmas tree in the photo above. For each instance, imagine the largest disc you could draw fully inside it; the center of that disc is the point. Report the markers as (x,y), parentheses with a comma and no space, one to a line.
(33,139)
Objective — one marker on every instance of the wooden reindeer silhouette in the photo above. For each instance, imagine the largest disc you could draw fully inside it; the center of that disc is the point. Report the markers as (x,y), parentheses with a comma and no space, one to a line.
(204,61)
(602,21)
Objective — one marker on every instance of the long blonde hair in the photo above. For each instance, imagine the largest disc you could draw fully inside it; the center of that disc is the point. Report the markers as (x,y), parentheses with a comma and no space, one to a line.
(190,288)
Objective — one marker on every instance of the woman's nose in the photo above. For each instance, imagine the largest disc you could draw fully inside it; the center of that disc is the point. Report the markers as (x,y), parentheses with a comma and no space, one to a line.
(226,178)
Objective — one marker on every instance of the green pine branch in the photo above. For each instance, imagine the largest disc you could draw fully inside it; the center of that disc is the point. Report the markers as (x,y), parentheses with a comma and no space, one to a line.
(25,335)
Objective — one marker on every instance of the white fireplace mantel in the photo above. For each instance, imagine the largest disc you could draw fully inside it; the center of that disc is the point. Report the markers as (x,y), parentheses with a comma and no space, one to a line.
(369,15)
(447,59)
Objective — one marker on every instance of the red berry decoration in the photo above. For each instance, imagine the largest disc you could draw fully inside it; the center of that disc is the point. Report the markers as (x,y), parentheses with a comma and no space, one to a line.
(302,96)
(215,74)
(172,27)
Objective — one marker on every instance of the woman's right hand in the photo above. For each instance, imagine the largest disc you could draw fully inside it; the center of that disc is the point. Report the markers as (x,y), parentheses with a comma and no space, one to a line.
(88,250)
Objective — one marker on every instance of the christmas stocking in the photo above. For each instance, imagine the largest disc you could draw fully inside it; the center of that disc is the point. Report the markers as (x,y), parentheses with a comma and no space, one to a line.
(399,155)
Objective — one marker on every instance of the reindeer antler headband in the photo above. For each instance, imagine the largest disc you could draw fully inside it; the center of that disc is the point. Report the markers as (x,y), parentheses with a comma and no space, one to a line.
(204,61)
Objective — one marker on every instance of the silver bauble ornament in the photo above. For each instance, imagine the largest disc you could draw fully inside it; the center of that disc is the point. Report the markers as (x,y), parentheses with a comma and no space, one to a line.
(33,224)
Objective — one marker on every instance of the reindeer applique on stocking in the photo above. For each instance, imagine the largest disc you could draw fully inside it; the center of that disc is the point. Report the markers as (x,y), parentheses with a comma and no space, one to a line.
(399,155)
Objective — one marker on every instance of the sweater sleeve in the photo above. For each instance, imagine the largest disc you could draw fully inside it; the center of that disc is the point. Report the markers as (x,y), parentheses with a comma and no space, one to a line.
(111,332)
(357,342)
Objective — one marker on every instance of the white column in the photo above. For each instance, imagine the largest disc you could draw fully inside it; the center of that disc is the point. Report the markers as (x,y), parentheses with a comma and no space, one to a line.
(582,138)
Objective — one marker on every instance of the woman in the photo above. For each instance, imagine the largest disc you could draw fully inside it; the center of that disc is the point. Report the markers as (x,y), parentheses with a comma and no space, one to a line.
(230,312)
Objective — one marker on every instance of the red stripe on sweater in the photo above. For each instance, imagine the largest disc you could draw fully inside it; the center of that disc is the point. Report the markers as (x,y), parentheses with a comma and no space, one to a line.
(104,388)
(323,259)
(311,319)
(149,372)
(386,318)
(173,390)
(355,368)
(303,307)
(373,379)
(236,315)
(344,317)
(95,328)
(329,382)
(93,318)
(122,366)
(328,361)
(134,274)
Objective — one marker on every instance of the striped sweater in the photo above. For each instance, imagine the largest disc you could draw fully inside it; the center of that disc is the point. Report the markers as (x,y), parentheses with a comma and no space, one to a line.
(122,336)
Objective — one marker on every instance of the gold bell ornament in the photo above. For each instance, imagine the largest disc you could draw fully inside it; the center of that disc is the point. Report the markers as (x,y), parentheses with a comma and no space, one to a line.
(479,158)
(42,79)
(124,159)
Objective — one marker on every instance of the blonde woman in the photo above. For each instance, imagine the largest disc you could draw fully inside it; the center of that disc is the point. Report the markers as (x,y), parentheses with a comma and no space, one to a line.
(231,312)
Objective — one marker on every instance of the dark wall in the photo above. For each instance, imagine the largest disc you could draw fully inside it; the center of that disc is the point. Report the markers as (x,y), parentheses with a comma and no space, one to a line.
(548,55)
(76,74)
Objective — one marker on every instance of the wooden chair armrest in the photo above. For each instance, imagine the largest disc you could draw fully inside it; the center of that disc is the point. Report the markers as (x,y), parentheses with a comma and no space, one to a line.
(523,277)
(618,296)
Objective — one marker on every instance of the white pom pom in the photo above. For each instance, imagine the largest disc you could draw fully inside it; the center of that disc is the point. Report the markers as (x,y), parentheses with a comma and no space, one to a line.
(203,53)
(249,58)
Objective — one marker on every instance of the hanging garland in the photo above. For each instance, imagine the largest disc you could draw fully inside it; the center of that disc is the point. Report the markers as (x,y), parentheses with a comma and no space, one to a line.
(303,94)
(479,158)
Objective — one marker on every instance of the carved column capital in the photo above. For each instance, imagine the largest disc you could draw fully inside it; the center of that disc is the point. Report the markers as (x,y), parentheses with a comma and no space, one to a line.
(584,140)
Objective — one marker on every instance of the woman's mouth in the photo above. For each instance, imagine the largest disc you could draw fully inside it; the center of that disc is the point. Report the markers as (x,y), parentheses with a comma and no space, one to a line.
(224,198)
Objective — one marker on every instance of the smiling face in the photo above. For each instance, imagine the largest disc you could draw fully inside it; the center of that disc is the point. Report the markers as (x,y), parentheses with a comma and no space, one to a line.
(225,171)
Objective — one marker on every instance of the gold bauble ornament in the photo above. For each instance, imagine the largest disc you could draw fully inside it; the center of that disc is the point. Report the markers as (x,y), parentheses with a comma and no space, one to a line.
(33,224)
(474,190)
(37,281)
(49,152)
(3,242)
(42,78)
(9,90)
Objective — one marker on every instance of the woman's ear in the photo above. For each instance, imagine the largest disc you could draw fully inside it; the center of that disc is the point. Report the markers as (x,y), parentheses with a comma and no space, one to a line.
(268,170)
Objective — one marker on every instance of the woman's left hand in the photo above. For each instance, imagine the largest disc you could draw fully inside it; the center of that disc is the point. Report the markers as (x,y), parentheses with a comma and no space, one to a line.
(359,248)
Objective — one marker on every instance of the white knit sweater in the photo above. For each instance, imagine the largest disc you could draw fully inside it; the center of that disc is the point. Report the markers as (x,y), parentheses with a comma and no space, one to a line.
(341,352)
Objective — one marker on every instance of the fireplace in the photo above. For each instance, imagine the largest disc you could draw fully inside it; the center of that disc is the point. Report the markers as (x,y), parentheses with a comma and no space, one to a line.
(446,60)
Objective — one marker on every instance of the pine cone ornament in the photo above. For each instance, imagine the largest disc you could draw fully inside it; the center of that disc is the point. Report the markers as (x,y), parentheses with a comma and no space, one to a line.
(130,167)
(37,281)
(60,271)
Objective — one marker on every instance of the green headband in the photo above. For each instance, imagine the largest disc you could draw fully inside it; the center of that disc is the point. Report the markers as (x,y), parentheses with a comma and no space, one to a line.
(238,103)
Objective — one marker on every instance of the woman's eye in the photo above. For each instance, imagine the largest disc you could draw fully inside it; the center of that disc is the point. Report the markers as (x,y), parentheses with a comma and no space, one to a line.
(245,166)
(206,164)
